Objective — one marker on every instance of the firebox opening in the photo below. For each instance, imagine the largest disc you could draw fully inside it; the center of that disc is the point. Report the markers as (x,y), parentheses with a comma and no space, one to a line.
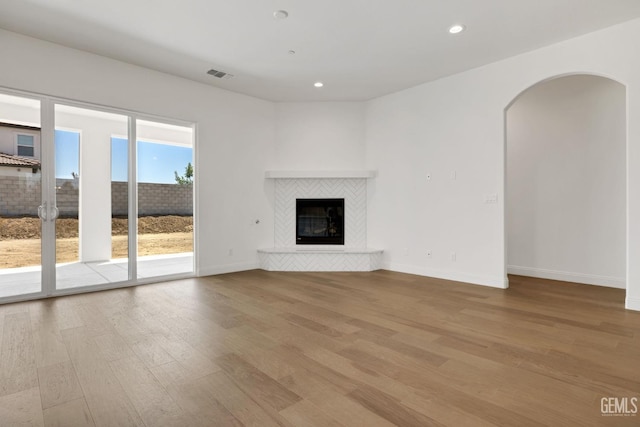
(320,221)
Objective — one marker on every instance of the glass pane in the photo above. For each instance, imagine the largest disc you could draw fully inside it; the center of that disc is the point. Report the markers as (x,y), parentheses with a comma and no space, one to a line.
(20,196)
(87,230)
(25,140)
(165,199)
(119,199)
(25,151)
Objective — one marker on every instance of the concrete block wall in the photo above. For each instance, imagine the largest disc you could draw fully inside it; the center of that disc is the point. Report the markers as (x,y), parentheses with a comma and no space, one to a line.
(21,196)
(164,199)
(119,198)
(154,199)
(67,197)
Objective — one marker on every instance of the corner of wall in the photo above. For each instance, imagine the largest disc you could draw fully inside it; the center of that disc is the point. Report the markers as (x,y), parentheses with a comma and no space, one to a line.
(632,304)
(227,268)
(492,282)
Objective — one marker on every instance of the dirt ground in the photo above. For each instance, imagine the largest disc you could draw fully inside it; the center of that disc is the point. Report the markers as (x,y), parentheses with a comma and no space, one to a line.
(20,239)
(29,228)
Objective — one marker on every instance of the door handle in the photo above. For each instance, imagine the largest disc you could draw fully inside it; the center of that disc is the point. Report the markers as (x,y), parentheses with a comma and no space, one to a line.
(56,213)
(42,211)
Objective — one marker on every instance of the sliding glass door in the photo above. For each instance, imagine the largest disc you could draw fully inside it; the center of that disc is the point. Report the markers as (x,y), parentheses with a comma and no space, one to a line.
(91,198)
(20,196)
(165,198)
(92,204)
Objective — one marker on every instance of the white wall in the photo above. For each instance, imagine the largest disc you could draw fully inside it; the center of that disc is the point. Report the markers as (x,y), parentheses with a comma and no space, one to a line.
(566,171)
(235,135)
(320,136)
(457,124)
(8,140)
(18,110)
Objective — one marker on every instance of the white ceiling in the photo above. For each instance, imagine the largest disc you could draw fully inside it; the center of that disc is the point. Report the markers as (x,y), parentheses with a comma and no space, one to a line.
(360,49)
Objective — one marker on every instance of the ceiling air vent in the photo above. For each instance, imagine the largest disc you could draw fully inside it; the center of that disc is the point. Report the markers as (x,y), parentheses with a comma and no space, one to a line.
(219,74)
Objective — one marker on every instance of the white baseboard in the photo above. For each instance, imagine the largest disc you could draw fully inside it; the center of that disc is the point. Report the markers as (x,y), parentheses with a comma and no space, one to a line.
(228,268)
(565,276)
(494,282)
(632,304)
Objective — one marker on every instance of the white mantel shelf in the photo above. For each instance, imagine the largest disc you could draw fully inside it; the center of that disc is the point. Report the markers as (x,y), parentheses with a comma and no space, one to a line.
(277,174)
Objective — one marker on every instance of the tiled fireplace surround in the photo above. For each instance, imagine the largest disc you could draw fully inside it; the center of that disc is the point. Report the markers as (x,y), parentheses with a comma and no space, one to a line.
(353,256)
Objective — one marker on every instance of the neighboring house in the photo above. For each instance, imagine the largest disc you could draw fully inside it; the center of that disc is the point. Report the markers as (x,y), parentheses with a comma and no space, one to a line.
(19,149)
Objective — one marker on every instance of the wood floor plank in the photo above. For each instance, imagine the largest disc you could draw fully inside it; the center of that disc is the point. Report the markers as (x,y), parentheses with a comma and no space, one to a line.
(383,405)
(269,362)
(93,320)
(49,347)
(257,384)
(329,318)
(295,349)
(105,397)
(243,407)
(312,325)
(18,370)
(65,316)
(194,398)
(58,384)
(328,397)
(306,414)
(171,373)
(194,362)
(125,327)
(74,413)
(113,347)
(48,344)
(21,409)
(149,350)
(148,396)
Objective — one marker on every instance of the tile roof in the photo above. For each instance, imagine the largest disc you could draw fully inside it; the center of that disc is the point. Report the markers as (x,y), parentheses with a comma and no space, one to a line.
(18,161)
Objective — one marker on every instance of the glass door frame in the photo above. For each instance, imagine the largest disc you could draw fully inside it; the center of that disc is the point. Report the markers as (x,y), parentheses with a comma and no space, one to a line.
(45,229)
(47,167)
(48,181)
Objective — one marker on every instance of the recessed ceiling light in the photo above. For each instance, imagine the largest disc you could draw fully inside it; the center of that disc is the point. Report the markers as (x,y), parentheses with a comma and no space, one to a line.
(280,14)
(318,84)
(455,29)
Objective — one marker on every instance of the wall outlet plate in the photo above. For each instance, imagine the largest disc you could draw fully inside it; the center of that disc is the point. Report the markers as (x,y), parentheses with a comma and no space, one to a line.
(491,198)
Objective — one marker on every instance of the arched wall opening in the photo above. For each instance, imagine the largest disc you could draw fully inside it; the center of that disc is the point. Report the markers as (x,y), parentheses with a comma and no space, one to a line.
(565,181)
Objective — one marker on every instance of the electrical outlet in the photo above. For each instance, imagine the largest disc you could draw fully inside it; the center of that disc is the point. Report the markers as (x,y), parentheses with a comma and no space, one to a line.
(491,198)
(453,256)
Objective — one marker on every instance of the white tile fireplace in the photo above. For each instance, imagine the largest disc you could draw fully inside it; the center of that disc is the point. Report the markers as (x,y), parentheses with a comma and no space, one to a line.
(354,255)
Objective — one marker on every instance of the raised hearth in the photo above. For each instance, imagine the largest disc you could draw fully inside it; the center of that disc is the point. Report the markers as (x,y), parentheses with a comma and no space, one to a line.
(305,259)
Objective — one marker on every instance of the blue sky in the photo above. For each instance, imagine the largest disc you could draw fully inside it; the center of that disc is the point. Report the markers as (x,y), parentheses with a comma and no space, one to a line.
(156,162)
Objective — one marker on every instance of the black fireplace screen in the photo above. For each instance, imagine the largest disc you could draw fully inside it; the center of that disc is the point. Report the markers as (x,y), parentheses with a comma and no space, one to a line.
(320,221)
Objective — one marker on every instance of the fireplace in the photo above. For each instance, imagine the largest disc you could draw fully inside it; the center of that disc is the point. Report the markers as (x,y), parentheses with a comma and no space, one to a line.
(319,221)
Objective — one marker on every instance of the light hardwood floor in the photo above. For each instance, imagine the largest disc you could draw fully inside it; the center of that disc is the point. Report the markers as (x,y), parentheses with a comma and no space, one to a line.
(320,349)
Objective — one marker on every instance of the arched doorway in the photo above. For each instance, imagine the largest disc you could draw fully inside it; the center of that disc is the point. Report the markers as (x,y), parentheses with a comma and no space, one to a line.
(565,181)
